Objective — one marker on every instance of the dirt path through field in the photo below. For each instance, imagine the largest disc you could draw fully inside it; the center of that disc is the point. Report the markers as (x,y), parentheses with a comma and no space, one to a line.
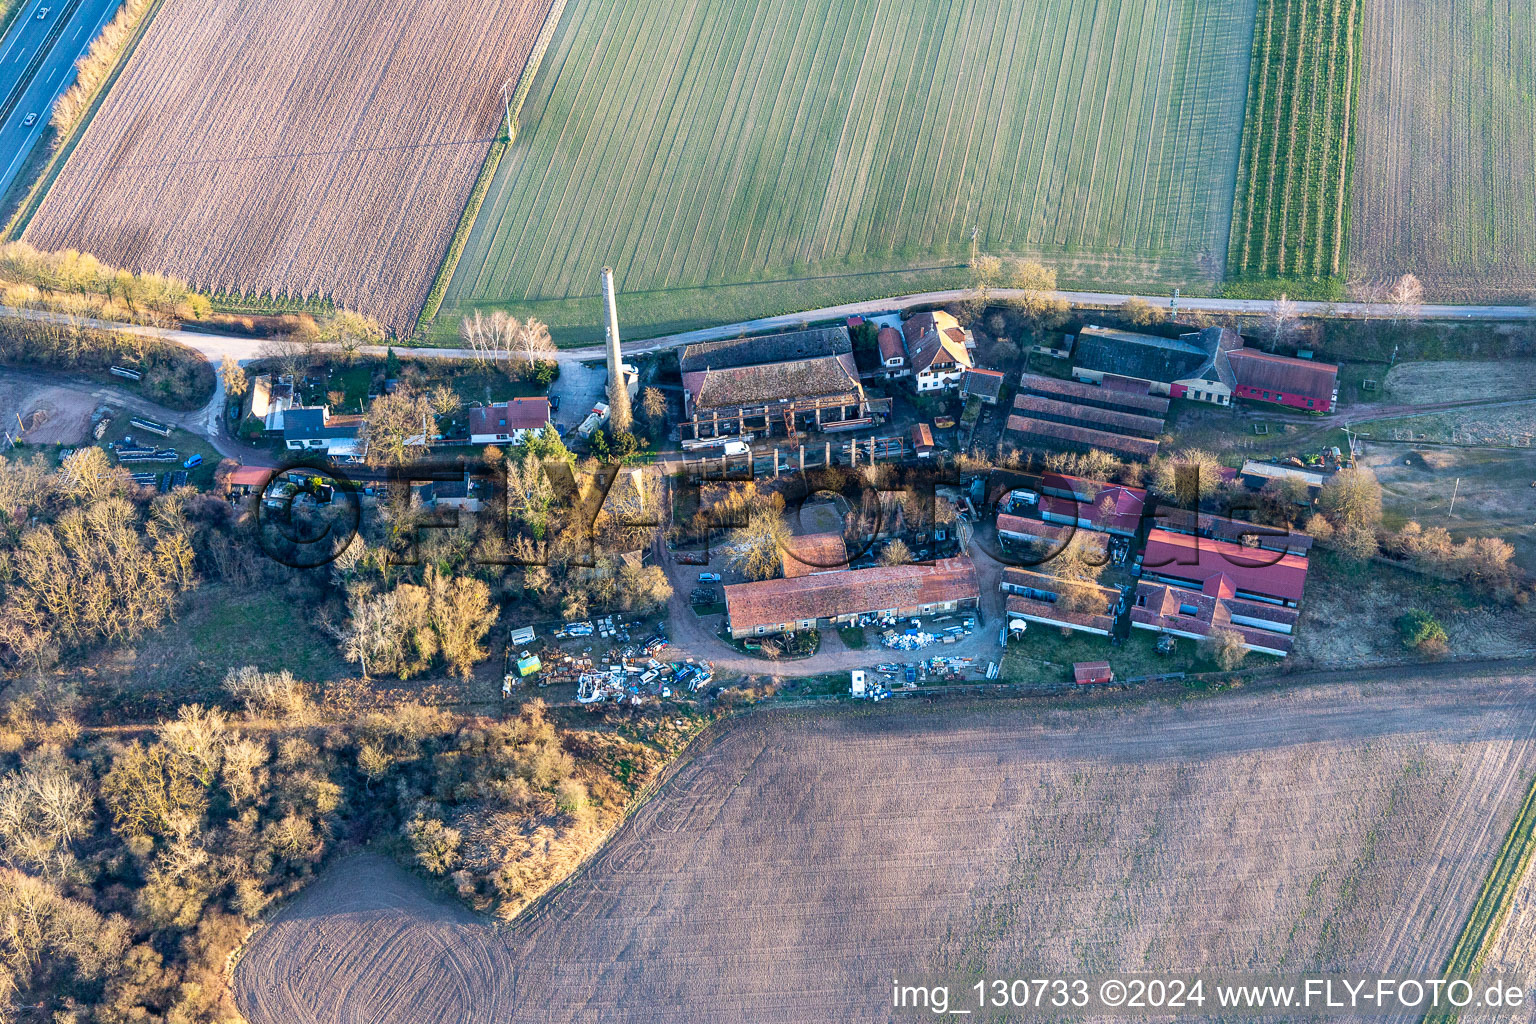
(799,860)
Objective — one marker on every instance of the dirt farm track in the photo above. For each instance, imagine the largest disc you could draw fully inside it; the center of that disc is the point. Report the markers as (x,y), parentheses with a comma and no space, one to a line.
(798,861)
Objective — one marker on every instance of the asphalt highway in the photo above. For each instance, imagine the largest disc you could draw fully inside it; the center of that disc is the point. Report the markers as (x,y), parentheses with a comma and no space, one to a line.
(37,63)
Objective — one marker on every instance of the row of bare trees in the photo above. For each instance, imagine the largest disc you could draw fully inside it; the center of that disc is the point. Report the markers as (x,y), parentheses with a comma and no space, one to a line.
(503,340)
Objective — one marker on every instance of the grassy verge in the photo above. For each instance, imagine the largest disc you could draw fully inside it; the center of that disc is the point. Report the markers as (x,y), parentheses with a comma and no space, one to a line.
(28,208)
(9,11)
(1495,900)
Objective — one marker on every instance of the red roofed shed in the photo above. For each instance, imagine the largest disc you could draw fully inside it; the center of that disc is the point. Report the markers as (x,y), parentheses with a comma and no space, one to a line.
(1089,673)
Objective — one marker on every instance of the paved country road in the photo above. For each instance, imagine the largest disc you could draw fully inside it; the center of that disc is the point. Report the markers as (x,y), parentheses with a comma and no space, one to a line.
(215,347)
(37,63)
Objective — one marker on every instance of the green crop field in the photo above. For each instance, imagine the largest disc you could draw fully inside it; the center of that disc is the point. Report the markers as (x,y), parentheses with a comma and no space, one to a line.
(737,160)
(1290,215)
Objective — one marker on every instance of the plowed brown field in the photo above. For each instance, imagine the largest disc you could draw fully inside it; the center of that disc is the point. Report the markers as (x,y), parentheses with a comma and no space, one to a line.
(1445,158)
(798,861)
(294,148)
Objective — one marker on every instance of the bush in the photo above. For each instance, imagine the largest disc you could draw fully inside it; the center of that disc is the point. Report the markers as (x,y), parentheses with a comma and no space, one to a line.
(1422,632)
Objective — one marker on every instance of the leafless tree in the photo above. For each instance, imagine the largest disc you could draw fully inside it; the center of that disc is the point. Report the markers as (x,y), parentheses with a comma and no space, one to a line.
(1407,295)
(1282,319)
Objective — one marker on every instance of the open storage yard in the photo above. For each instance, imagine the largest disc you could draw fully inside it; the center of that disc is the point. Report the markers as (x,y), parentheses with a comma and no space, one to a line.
(1446,158)
(734,160)
(799,860)
(294,149)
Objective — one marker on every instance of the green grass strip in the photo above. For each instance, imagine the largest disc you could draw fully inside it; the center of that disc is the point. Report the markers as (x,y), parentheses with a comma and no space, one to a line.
(28,208)
(1494,902)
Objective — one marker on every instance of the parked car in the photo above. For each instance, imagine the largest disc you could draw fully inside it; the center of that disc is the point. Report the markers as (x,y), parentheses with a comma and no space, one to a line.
(42,13)
(709,577)
(193,462)
(29,121)
(554,403)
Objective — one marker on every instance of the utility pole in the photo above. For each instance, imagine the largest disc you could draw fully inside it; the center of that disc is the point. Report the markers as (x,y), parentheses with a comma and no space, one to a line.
(1454,491)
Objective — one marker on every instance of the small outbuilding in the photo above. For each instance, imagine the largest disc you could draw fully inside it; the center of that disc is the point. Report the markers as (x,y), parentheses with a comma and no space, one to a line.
(1092,673)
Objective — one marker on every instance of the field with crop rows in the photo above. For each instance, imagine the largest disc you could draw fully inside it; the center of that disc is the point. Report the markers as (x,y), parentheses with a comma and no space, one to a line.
(734,160)
(294,148)
(1446,158)
(1291,205)
(799,860)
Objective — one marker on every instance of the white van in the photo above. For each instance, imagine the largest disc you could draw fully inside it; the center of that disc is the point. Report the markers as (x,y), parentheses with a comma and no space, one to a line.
(736,448)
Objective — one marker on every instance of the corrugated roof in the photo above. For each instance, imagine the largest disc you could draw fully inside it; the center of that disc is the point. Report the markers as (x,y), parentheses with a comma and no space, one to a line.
(1196,559)
(987,383)
(1053,614)
(1267,372)
(1143,356)
(249,476)
(1111,420)
(850,592)
(1272,538)
(1064,435)
(922,437)
(1104,397)
(772,348)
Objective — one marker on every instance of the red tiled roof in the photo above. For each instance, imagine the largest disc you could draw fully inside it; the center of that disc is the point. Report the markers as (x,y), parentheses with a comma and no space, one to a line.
(250,476)
(1161,607)
(922,437)
(1268,372)
(505,417)
(929,344)
(850,592)
(891,346)
(1253,571)
(814,552)
(1089,672)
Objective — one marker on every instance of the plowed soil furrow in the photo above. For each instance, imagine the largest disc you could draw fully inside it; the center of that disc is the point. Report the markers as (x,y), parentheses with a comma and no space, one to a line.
(803,859)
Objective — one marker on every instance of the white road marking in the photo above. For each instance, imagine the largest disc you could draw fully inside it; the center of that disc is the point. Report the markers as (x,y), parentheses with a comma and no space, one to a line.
(29,138)
(19,26)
